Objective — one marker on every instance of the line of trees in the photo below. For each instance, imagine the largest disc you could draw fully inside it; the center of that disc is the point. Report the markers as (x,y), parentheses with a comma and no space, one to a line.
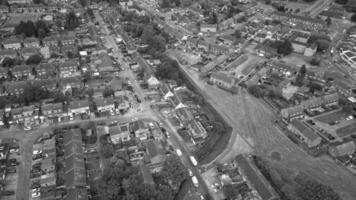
(30,29)
(124,181)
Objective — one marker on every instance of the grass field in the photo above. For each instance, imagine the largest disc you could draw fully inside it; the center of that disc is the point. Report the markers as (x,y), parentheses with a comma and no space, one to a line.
(347,130)
(332,117)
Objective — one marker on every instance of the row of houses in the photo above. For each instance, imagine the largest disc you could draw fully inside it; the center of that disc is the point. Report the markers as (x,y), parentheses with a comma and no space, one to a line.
(310,105)
(65,69)
(16,43)
(57,112)
(27,8)
(303,22)
(182,112)
(200,43)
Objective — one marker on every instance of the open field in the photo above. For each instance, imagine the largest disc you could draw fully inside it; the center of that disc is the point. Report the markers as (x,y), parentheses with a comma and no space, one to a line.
(332,117)
(347,130)
(253,128)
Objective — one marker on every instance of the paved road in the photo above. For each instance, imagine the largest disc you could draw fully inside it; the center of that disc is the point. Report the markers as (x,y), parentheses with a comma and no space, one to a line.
(175,138)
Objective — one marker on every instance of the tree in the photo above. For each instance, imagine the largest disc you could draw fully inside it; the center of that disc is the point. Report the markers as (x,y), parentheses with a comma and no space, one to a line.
(26,28)
(8,62)
(174,171)
(353,17)
(34,59)
(284,47)
(316,191)
(237,34)
(301,75)
(164,193)
(72,21)
(37,1)
(83,3)
(107,150)
(314,61)
(322,44)
(328,21)
(343,2)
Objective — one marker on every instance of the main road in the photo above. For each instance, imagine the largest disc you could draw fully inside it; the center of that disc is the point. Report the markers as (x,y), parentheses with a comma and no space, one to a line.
(175,139)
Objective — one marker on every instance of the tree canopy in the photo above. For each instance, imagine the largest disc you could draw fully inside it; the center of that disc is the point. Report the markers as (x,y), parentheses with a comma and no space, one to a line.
(284,47)
(34,59)
(29,29)
(72,21)
(316,191)
(169,69)
(174,171)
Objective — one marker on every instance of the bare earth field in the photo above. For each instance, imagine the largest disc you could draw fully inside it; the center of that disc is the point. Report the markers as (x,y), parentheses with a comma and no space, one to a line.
(253,130)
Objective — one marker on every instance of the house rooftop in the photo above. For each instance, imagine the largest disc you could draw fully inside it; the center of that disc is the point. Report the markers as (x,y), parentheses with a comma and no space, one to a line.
(306,131)
(255,178)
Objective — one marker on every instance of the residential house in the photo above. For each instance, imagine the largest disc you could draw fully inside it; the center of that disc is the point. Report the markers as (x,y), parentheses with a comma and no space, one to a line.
(153,82)
(255,179)
(45,69)
(12,43)
(197,130)
(28,52)
(222,80)
(309,105)
(68,69)
(208,28)
(7,53)
(4,72)
(310,50)
(16,88)
(306,134)
(23,115)
(67,40)
(79,107)
(70,51)
(303,22)
(4,9)
(105,64)
(31,42)
(48,165)
(122,104)
(46,84)
(52,110)
(50,41)
(183,114)
(140,129)
(115,84)
(70,83)
(48,180)
(119,133)
(135,154)
(349,57)
(218,49)
(156,155)
(105,105)
(282,69)
(21,71)
(344,88)
(74,165)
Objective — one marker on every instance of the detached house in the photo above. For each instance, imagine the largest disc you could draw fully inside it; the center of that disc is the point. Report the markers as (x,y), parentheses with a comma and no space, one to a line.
(7,53)
(12,43)
(67,40)
(105,105)
(307,134)
(21,71)
(119,133)
(140,130)
(208,28)
(79,107)
(31,42)
(28,52)
(16,88)
(67,69)
(47,69)
(222,80)
(50,41)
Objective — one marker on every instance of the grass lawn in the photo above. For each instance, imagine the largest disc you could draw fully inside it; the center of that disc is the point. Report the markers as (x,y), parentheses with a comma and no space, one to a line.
(332,117)
(347,130)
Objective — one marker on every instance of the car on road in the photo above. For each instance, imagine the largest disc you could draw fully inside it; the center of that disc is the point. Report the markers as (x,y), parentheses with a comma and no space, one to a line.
(195,181)
(179,152)
(193,160)
(190,172)
(35,194)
